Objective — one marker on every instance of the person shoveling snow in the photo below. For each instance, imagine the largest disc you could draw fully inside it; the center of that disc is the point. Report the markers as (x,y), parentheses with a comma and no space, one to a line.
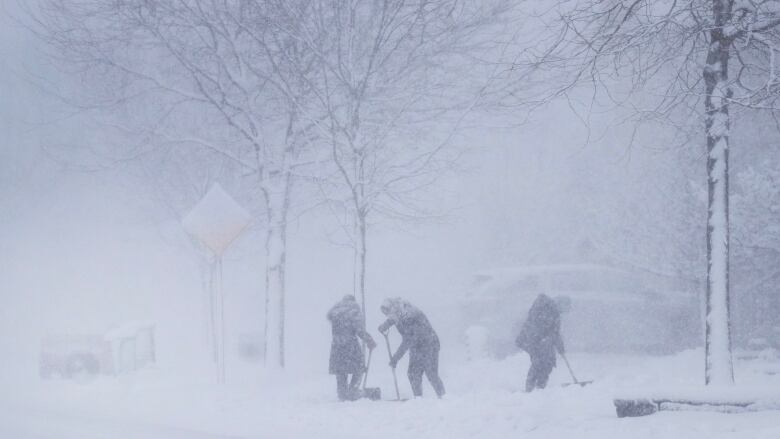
(540,337)
(346,354)
(419,338)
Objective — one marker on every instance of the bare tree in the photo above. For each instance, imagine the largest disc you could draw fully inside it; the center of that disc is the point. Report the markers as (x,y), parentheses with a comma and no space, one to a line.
(385,71)
(355,84)
(676,55)
(200,75)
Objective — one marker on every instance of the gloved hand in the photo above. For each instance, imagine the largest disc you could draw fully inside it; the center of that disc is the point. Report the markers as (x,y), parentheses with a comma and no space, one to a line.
(370,343)
(384,327)
(394,361)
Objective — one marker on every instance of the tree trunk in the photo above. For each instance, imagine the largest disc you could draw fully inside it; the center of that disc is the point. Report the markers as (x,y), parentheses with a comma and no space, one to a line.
(361,248)
(718,362)
(276,259)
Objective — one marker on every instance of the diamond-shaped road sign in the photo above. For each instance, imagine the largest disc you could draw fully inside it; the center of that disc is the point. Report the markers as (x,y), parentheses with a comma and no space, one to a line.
(216,220)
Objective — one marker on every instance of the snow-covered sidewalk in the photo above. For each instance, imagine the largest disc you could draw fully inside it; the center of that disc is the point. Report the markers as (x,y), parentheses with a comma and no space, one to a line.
(484,401)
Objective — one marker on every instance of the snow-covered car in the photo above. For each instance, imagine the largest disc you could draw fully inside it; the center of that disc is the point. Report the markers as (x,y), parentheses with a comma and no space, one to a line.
(122,349)
(74,356)
(612,310)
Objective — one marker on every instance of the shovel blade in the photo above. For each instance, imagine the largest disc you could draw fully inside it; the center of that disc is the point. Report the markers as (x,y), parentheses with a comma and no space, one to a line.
(578,383)
(372,393)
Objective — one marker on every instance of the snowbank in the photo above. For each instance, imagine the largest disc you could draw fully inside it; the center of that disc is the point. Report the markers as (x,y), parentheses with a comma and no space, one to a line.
(484,400)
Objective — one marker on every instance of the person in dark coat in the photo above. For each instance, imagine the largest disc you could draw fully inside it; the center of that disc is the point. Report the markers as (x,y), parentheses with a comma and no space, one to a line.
(540,336)
(417,337)
(346,354)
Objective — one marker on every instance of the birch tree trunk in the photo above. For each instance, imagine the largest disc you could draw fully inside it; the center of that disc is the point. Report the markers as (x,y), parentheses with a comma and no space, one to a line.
(276,259)
(718,362)
(362,258)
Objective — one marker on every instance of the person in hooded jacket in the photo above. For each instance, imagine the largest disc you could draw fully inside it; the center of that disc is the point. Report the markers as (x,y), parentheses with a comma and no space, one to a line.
(346,353)
(540,336)
(417,337)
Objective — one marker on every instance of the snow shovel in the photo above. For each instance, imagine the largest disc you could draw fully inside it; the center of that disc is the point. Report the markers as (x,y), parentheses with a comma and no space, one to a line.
(571,372)
(390,355)
(372,393)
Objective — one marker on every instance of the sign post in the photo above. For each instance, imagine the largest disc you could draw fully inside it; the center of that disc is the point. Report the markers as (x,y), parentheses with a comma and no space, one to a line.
(216,221)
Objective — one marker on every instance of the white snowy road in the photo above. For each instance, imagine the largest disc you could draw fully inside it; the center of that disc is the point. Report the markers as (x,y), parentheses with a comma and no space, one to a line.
(484,400)
(552,415)
(18,423)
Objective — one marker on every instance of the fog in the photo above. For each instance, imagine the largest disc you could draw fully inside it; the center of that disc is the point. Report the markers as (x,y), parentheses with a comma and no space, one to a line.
(87,248)
(92,238)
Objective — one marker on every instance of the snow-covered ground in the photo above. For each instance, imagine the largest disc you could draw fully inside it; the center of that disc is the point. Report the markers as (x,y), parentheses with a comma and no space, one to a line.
(485,400)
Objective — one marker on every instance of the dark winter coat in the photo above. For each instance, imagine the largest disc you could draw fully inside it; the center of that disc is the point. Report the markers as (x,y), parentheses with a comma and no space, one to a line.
(417,334)
(540,335)
(347,325)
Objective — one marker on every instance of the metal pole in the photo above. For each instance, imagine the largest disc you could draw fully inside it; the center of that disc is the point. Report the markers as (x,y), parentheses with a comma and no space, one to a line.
(213,312)
(221,323)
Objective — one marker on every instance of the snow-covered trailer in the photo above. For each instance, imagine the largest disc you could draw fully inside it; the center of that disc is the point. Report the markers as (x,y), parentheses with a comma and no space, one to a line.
(132,346)
(612,310)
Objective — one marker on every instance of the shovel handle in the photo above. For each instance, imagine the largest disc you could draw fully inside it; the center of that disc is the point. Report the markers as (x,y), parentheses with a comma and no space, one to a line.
(387,343)
(390,355)
(568,366)
(368,364)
